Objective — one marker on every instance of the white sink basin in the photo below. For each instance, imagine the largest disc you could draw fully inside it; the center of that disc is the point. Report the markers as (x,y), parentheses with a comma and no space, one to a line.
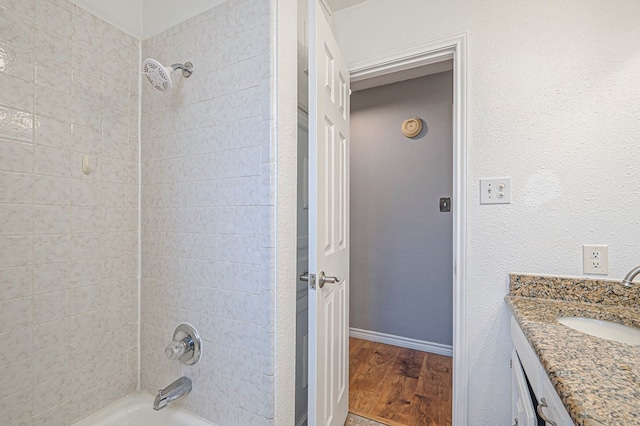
(603,329)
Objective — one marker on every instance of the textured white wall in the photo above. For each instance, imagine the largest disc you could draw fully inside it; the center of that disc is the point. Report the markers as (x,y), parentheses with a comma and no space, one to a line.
(553,102)
(68,241)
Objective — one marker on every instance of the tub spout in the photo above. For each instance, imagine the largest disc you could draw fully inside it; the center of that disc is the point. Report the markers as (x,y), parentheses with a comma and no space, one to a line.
(175,390)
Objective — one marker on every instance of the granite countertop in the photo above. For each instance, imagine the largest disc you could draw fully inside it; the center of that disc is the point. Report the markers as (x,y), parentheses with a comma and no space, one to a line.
(598,380)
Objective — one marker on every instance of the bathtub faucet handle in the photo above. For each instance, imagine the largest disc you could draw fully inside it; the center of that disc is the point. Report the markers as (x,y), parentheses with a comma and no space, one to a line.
(176,349)
(186,345)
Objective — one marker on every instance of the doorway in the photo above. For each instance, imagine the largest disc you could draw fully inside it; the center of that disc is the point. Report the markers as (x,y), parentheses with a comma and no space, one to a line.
(401,266)
(405,60)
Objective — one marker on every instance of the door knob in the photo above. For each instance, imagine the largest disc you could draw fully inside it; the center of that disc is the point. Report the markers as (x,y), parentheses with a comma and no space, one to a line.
(326,279)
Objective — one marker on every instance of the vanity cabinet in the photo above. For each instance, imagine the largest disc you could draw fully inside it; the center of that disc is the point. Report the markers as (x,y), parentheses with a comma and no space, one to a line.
(544,402)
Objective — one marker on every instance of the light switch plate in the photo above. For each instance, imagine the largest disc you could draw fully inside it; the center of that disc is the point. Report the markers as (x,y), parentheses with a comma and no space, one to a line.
(495,190)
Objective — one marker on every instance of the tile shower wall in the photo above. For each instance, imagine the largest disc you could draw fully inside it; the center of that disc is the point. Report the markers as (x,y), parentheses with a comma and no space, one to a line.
(207,213)
(68,241)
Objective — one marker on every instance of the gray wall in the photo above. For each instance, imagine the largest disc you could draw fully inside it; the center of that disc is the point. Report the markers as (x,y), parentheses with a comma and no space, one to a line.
(401,253)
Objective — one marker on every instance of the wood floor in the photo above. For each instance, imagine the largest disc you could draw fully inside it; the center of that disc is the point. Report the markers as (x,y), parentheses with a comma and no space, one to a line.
(398,386)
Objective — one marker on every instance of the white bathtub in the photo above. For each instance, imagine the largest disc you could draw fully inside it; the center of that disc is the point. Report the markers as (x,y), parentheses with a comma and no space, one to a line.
(137,410)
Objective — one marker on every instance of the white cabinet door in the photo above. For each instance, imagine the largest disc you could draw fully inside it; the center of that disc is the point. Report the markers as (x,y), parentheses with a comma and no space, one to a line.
(521,405)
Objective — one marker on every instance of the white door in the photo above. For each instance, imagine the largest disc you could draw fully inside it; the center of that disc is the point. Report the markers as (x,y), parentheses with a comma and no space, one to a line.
(328,225)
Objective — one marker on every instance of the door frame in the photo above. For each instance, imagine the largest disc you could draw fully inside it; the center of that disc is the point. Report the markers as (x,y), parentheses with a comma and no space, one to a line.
(453,47)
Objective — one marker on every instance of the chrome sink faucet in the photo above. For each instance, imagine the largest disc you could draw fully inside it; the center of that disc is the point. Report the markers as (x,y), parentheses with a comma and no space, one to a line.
(627,281)
(175,390)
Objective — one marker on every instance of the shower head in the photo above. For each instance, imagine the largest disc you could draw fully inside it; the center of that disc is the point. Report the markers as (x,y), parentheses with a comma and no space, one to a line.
(160,76)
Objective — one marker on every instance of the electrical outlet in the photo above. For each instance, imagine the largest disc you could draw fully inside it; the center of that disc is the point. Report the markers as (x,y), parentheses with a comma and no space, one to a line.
(595,259)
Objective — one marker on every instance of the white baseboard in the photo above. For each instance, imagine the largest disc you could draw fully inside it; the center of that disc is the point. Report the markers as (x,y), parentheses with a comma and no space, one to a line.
(403,342)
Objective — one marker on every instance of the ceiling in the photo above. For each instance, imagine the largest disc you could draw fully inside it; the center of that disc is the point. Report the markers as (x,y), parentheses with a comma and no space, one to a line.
(342,4)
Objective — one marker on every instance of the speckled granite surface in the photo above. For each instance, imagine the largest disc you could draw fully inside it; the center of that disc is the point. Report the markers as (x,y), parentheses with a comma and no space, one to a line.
(598,380)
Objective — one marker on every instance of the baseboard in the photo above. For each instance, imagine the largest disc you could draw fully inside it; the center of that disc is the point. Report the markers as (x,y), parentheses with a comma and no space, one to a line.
(403,342)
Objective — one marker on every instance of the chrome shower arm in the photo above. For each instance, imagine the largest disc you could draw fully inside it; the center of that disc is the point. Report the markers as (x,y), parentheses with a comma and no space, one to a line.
(187,68)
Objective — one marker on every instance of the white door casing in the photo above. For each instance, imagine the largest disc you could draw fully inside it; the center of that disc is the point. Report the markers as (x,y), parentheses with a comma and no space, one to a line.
(328,224)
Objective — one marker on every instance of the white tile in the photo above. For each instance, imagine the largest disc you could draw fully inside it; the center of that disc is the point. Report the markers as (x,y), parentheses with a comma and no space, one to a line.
(50,306)
(227,108)
(85,84)
(85,192)
(51,248)
(53,362)
(16,251)
(51,335)
(52,18)
(55,416)
(53,103)
(16,156)
(248,191)
(239,220)
(51,73)
(250,73)
(16,29)
(200,246)
(86,33)
(84,326)
(86,112)
(16,124)
(16,314)
(16,219)
(116,97)
(11,353)
(16,408)
(50,219)
(85,219)
(116,145)
(16,92)
(249,44)
(51,161)
(240,276)
(51,190)
(16,188)
(52,132)
(16,282)
(50,277)
(249,102)
(24,8)
(250,12)
(119,171)
(53,46)
(83,272)
(86,139)
(116,121)
(228,79)
(239,162)
(84,299)
(50,393)
(119,220)
(113,243)
(85,246)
